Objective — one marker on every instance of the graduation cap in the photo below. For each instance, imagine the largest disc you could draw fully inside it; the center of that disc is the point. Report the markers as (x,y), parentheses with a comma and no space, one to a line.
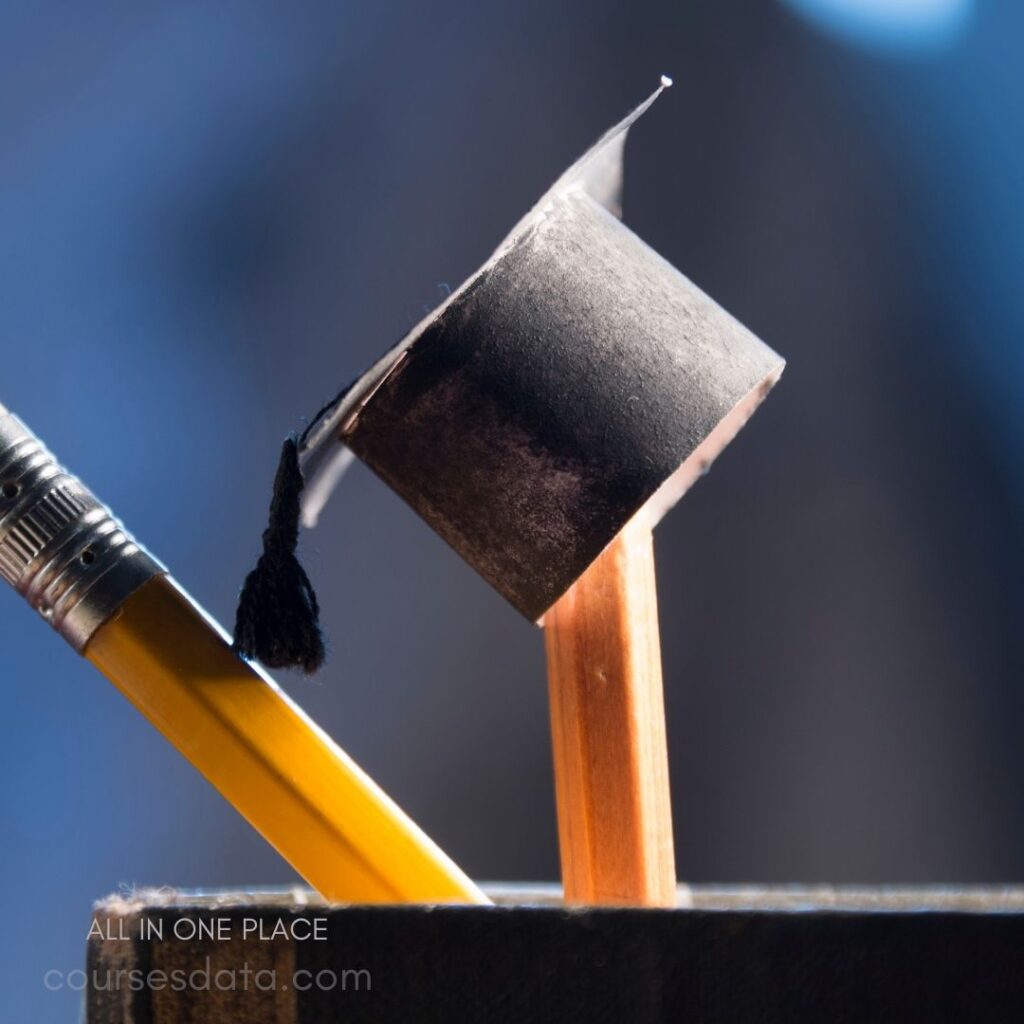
(574,380)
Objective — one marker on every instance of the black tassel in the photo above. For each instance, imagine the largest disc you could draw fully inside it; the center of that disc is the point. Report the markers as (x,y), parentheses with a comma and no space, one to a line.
(278,618)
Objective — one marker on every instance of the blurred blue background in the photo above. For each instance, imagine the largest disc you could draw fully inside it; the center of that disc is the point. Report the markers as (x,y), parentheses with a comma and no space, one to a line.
(211,215)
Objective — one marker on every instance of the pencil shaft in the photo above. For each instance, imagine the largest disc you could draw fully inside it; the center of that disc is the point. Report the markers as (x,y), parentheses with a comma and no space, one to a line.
(321,812)
(608,731)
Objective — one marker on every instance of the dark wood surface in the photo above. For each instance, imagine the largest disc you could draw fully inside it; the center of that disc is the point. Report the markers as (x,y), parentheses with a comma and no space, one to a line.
(784,954)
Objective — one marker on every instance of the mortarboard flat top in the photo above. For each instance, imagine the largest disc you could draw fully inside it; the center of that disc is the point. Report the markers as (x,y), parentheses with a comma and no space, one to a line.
(572,381)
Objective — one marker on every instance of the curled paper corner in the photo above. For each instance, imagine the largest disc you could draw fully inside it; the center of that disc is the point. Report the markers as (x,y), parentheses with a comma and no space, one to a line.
(599,171)
(324,456)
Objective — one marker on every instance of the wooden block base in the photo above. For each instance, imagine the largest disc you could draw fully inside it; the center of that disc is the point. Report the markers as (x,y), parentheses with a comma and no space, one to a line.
(758,954)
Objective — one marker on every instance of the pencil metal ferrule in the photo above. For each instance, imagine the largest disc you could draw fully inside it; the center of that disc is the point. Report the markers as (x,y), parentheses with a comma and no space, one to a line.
(60,547)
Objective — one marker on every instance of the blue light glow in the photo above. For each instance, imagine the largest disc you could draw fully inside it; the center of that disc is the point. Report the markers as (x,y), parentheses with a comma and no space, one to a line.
(890,25)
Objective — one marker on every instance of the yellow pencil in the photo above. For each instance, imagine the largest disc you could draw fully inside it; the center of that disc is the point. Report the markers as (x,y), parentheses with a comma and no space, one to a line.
(115,604)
